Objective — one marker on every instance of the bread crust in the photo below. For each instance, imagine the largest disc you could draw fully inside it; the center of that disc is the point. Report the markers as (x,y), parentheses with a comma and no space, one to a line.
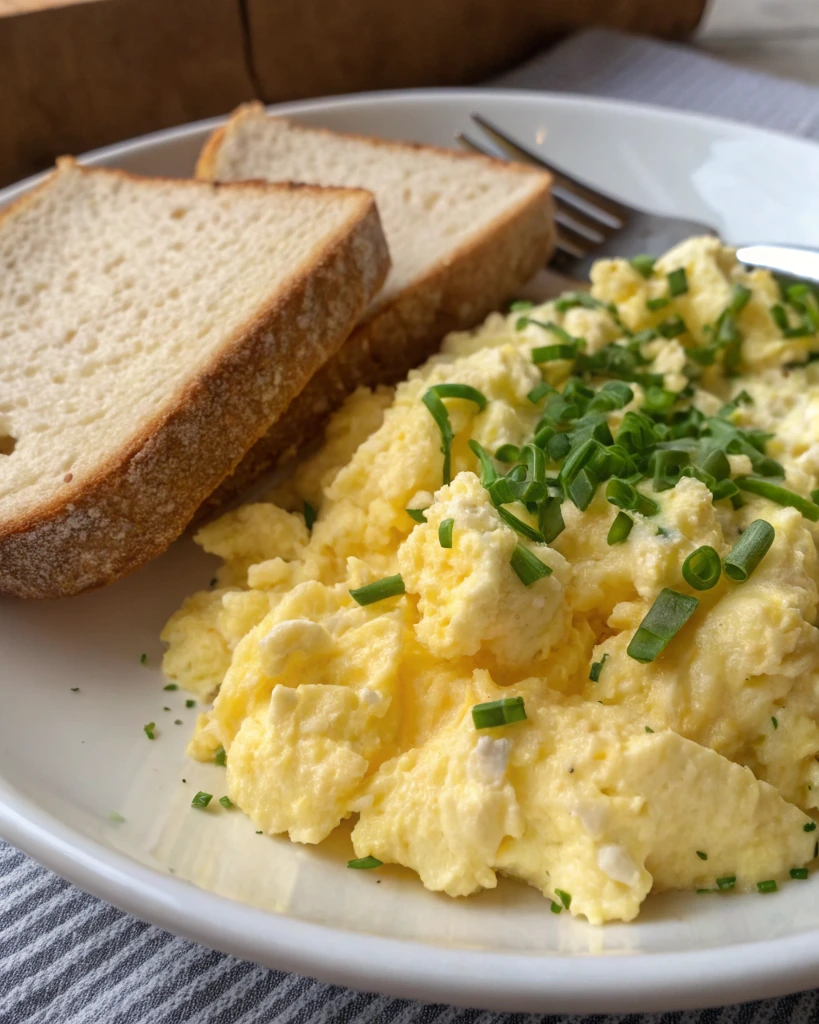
(128,511)
(455,294)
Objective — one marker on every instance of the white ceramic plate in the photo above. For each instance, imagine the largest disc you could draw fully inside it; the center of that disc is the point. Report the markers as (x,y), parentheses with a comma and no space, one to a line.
(68,759)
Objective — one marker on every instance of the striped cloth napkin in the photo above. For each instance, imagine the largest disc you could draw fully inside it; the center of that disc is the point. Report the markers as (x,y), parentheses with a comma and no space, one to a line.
(68,958)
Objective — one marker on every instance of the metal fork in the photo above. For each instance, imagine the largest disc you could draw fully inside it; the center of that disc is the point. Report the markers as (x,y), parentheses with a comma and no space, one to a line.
(590,224)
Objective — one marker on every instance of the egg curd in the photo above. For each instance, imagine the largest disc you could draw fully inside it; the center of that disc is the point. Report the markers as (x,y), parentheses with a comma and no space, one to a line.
(560,465)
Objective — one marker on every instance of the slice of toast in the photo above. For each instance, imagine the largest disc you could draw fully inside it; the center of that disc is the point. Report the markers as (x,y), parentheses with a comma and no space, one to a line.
(464,233)
(152,330)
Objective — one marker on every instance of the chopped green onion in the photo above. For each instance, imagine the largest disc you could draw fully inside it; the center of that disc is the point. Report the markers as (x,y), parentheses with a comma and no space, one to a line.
(417,514)
(226,802)
(540,391)
(749,550)
(548,353)
(143,659)
(564,897)
(781,495)
(190,703)
(582,488)
(149,730)
(507,453)
(774,722)
(663,621)
(75,689)
(528,567)
(701,855)
(529,532)
(569,300)
(171,686)
(495,713)
(677,282)
(649,729)
(809,827)
(768,886)
(702,569)
(625,496)
(728,882)
(620,528)
(445,532)
(550,519)
(673,327)
(390,586)
(201,800)
(432,400)
(220,757)
(643,264)
(659,303)
(780,317)
(556,908)
(364,863)
(559,332)
(520,306)
(310,515)
(597,668)
(488,472)
(799,872)
(116,817)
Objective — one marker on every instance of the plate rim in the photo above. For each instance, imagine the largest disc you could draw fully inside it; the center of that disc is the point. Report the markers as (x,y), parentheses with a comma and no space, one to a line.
(545,982)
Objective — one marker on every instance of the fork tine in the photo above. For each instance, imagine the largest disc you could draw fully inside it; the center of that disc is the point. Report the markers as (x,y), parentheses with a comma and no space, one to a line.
(582,243)
(577,217)
(577,188)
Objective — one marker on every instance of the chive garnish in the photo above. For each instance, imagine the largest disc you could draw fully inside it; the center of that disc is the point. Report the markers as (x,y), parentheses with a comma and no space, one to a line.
(726,883)
(556,908)
(780,317)
(190,703)
(664,619)
(390,586)
(528,567)
(115,816)
(659,303)
(529,532)
(625,496)
(488,472)
(701,855)
(226,802)
(149,730)
(702,569)
(774,722)
(809,827)
(799,872)
(310,515)
(677,282)
(416,514)
(673,327)
(548,353)
(767,886)
(564,897)
(432,400)
(507,453)
(220,757)
(649,729)
(620,528)
(171,686)
(520,305)
(495,713)
(597,668)
(781,495)
(643,264)
(201,800)
(364,863)
(445,532)
(749,550)
(143,659)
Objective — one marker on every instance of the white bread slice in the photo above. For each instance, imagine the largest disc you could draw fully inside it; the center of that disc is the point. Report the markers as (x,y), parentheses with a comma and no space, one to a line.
(464,233)
(151,331)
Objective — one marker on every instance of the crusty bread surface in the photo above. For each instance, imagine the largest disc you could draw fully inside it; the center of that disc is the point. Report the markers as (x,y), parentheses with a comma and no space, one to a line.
(464,233)
(152,330)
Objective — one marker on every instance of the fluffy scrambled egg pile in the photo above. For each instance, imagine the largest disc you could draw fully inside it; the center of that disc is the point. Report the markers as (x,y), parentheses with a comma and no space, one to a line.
(680,754)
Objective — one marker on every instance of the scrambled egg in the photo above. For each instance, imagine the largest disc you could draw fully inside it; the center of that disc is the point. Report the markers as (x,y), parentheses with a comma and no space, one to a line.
(694,770)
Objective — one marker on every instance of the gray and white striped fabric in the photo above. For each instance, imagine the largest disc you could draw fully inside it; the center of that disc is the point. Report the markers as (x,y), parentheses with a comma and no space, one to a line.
(68,958)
